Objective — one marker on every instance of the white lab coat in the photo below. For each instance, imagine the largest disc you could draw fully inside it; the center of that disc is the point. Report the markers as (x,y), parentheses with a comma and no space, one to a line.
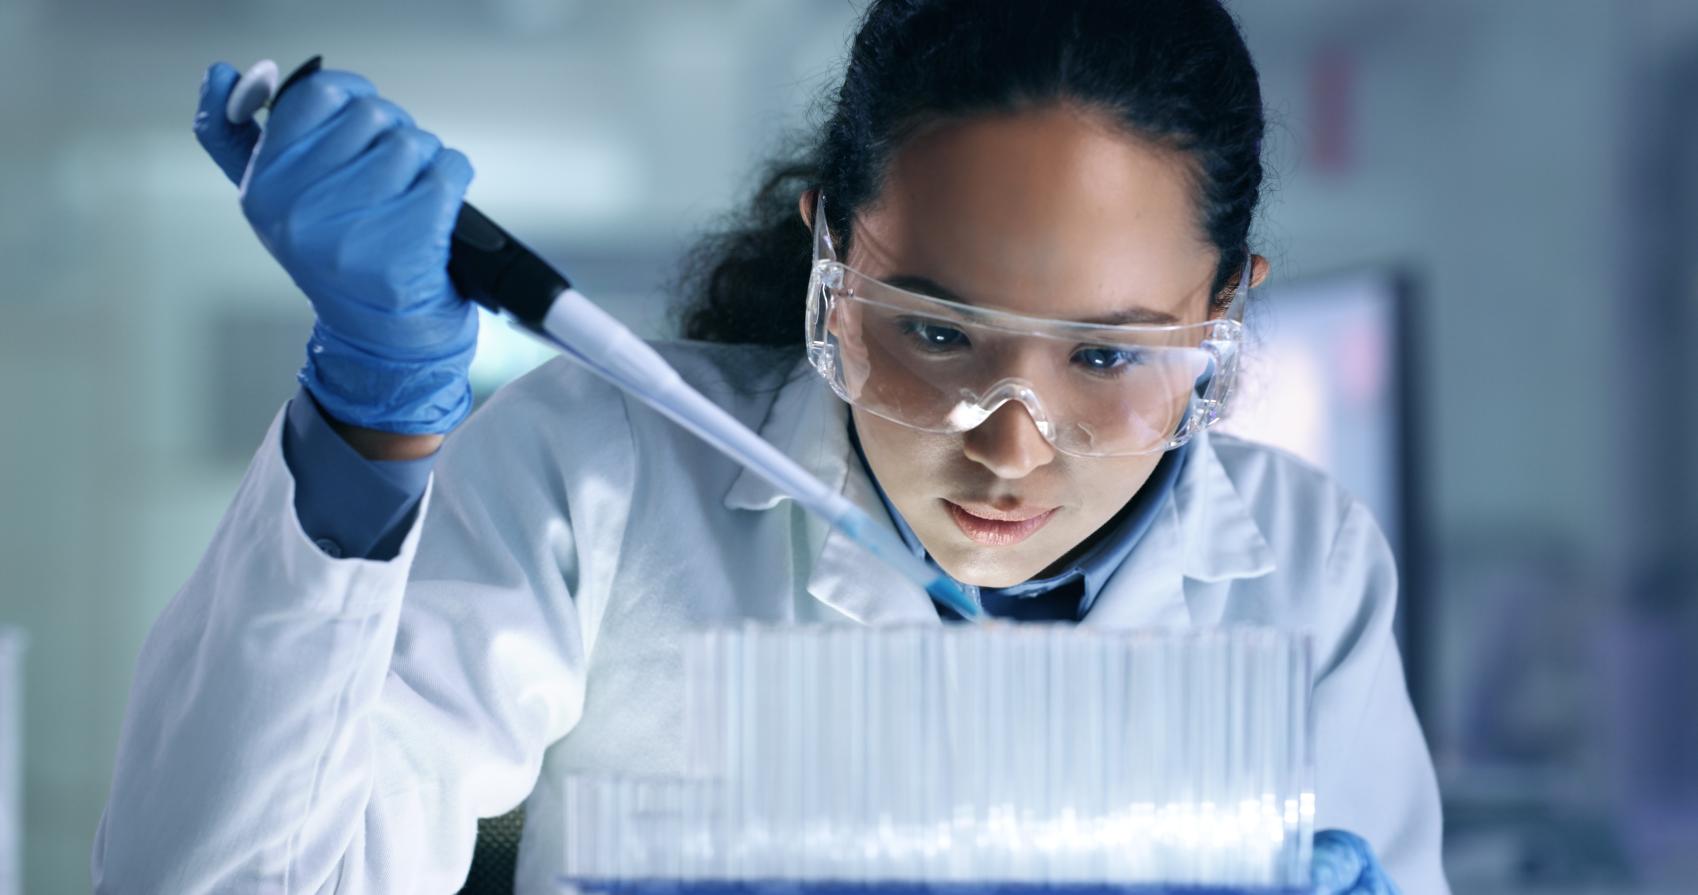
(300,723)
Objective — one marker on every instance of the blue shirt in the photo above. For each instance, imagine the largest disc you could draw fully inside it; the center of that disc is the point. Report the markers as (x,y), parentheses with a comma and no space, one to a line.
(1068,594)
(349,506)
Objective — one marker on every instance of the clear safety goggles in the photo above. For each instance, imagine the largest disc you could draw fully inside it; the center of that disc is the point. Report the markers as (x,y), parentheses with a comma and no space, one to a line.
(942,366)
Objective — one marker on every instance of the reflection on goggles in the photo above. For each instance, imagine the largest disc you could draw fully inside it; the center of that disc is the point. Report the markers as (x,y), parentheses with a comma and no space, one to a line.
(942,366)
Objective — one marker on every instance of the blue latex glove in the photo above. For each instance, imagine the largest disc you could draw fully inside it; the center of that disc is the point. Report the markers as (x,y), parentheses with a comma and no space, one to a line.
(357,203)
(1345,865)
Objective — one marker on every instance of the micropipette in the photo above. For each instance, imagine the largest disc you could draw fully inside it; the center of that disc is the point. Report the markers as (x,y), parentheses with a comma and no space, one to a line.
(489,266)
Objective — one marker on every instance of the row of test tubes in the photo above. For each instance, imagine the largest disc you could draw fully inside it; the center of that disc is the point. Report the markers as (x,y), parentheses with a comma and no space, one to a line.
(972,754)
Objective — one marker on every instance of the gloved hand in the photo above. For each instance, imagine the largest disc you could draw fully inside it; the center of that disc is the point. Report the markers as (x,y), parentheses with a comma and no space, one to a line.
(1345,865)
(357,203)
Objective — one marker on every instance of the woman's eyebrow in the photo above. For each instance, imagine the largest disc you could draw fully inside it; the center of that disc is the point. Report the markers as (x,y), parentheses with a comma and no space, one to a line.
(1145,316)
(933,289)
(925,286)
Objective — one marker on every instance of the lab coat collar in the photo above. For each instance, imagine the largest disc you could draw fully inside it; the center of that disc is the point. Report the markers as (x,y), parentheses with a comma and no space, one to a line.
(1205,532)
(1222,540)
(810,425)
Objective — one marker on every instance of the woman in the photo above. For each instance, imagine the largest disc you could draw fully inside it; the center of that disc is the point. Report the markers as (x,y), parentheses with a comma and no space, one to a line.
(372,655)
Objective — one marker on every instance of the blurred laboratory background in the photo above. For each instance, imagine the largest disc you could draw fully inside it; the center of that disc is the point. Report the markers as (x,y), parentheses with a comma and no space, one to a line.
(1482,219)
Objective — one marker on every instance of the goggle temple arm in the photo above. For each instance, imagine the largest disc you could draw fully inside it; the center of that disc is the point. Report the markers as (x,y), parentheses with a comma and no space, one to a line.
(1213,405)
(823,248)
(1241,295)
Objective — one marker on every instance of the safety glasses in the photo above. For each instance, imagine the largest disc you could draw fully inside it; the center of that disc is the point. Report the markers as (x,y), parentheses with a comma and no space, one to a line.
(942,366)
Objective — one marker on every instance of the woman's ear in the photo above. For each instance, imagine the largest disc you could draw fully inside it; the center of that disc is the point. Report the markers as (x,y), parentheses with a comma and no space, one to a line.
(1259,268)
(806,205)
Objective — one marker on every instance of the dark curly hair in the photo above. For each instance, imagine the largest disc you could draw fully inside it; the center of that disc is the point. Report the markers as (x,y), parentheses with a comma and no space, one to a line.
(1174,72)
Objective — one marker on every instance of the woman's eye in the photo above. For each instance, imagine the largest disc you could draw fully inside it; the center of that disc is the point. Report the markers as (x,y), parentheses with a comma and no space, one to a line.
(1100,359)
(935,336)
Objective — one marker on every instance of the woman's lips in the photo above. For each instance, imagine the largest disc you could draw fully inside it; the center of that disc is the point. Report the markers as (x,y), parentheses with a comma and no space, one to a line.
(1006,528)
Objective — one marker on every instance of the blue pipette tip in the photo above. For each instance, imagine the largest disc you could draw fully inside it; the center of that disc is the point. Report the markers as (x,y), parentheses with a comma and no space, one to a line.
(950,594)
(884,544)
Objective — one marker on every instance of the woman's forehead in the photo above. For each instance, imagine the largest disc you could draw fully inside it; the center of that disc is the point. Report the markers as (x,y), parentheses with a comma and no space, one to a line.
(1049,205)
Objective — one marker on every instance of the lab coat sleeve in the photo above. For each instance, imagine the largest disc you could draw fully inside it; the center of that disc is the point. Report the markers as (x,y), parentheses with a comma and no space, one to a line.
(1374,776)
(306,724)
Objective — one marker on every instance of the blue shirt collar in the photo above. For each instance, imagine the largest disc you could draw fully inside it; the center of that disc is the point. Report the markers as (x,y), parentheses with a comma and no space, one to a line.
(1108,548)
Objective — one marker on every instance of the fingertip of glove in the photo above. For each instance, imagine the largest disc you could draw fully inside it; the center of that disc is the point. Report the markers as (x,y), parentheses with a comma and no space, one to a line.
(228,144)
(216,83)
(453,168)
(1340,858)
(1341,839)
(217,71)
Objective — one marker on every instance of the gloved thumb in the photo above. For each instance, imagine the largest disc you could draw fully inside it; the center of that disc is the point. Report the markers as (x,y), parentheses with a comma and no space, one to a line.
(230,145)
(1344,863)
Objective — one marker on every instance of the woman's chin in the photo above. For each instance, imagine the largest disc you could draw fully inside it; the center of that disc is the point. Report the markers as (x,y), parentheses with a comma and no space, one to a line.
(991,567)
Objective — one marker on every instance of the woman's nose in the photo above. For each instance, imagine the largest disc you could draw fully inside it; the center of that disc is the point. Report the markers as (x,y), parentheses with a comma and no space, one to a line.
(1008,443)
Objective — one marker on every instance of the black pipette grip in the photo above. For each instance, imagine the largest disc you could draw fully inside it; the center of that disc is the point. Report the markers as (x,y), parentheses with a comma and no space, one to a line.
(485,262)
(497,271)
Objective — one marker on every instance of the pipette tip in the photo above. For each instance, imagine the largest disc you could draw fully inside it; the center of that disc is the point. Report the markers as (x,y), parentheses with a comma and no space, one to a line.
(950,594)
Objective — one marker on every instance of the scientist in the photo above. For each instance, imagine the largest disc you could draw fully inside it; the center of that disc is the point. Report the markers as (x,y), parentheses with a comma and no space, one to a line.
(395,631)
